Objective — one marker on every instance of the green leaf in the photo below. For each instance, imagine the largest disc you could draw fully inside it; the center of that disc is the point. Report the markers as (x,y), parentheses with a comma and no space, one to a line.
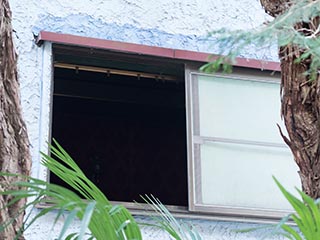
(71,217)
(86,218)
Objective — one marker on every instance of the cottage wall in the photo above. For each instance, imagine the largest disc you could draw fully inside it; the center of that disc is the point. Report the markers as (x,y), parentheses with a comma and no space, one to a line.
(179,24)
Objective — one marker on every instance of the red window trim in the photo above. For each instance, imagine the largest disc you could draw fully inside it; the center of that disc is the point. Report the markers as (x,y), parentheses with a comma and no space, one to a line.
(187,55)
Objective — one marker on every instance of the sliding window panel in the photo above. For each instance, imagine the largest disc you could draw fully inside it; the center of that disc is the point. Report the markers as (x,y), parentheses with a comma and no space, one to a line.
(237,148)
(239,109)
(241,175)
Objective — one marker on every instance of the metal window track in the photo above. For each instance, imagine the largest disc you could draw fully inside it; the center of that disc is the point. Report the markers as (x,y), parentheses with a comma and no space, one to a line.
(109,71)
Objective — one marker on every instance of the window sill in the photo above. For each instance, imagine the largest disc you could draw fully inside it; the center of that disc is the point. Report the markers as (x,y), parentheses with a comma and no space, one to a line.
(140,209)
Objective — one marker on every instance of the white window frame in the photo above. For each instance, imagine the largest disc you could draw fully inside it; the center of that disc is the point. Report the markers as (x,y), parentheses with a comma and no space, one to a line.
(195,140)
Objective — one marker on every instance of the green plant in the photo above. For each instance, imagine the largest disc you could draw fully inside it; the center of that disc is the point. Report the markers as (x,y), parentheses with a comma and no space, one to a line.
(303,224)
(306,216)
(163,219)
(90,205)
(281,31)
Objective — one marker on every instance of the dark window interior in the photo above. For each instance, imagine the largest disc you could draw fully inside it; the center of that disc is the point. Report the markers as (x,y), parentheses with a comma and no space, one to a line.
(128,133)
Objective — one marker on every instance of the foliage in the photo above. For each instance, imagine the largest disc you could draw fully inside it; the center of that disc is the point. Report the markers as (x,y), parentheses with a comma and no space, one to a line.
(96,213)
(283,30)
(306,216)
(163,219)
(90,205)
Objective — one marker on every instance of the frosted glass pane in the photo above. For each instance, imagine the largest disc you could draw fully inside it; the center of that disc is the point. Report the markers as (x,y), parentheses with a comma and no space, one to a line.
(239,109)
(241,176)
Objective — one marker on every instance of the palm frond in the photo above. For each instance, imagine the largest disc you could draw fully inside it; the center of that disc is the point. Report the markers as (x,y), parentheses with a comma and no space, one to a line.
(306,216)
(164,220)
(97,215)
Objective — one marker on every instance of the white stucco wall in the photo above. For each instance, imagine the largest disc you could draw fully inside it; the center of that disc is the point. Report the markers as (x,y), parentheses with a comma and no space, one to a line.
(180,24)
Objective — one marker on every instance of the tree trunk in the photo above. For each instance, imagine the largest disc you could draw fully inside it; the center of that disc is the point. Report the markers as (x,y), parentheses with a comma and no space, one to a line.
(300,104)
(14,144)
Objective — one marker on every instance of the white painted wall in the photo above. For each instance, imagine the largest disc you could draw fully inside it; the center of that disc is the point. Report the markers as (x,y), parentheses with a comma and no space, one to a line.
(181,24)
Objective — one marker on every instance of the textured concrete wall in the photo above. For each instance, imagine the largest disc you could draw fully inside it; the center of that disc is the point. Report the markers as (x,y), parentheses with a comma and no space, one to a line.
(181,24)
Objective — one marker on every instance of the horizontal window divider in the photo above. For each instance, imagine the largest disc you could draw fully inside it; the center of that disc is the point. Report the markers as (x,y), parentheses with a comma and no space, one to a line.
(203,140)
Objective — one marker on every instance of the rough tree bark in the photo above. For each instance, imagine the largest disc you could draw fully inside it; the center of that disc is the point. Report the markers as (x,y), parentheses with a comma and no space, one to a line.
(300,104)
(14,144)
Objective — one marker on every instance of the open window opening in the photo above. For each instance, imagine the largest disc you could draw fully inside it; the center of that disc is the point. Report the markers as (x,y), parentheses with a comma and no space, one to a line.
(123,119)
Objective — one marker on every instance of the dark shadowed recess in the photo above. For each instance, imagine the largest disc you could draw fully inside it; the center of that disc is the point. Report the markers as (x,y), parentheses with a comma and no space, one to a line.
(127,133)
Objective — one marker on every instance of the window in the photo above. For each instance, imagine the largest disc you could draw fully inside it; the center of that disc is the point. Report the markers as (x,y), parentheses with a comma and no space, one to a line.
(236,146)
(140,124)
(123,120)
